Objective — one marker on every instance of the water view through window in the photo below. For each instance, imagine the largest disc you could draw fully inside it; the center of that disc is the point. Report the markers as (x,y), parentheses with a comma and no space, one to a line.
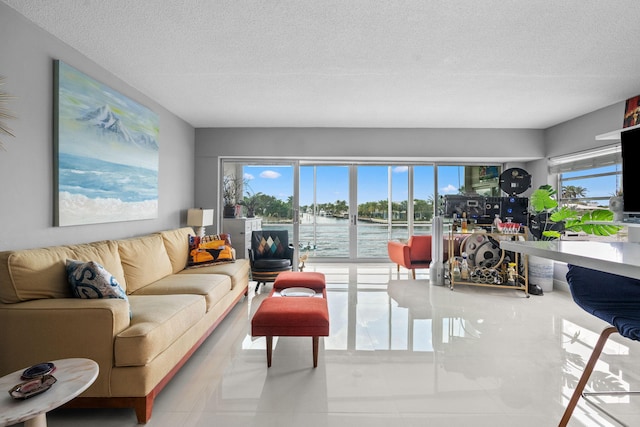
(351,211)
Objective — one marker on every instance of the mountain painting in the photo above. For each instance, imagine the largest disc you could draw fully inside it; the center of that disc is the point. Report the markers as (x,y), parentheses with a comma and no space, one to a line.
(106,158)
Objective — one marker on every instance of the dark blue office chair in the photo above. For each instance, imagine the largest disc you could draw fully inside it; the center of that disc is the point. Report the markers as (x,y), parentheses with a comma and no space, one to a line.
(614,299)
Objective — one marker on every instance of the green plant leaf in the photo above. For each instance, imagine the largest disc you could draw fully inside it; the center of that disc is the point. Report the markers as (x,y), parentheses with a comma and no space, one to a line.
(542,199)
(551,234)
(584,223)
(564,214)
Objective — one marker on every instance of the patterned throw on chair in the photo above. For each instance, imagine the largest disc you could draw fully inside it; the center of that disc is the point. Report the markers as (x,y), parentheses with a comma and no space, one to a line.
(270,254)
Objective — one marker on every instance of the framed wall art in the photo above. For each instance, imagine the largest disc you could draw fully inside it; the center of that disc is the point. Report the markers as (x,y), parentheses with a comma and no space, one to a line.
(632,112)
(105,153)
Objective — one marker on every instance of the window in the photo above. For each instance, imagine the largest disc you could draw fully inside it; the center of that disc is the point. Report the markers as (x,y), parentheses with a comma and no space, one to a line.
(589,179)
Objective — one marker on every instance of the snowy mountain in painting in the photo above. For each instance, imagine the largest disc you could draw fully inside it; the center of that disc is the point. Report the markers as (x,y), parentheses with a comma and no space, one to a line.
(146,141)
(106,120)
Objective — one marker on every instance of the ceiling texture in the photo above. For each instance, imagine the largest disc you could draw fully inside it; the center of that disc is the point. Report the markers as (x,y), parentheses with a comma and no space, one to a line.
(360,63)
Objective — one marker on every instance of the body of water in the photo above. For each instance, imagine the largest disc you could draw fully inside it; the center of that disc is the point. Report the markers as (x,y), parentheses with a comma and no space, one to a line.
(330,236)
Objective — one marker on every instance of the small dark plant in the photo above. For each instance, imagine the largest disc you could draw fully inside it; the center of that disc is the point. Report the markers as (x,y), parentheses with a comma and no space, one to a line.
(251,201)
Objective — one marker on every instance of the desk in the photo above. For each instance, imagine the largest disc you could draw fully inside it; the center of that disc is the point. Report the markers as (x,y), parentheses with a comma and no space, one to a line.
(74,376)
(622,258)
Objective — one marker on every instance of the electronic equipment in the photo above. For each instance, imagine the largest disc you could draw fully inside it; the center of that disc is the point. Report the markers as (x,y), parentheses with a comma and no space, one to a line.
(514,181)
(515,209)
(492,207)
(630,142)
(473,206)
(484,209)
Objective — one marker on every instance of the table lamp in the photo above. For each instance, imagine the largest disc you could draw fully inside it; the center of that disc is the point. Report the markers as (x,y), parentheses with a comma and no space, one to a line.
(200,218)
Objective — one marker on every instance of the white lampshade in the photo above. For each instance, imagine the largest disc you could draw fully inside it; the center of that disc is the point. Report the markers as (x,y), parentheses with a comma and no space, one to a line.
(200,218)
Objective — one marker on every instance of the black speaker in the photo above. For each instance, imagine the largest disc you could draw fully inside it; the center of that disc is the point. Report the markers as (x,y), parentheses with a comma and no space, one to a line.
(515,181)
(515,209)
(493,206)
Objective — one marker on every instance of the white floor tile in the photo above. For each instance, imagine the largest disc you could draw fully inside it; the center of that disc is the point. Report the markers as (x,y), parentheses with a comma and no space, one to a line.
(400,353)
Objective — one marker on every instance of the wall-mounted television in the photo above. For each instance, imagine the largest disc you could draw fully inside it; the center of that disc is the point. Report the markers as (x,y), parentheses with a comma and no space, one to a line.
(630,141)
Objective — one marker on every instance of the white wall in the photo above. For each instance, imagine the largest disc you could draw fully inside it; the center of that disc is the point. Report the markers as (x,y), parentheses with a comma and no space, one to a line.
(26,166)
(511,145)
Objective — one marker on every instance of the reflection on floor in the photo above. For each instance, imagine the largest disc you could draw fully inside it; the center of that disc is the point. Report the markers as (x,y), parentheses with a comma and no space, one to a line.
(401,353)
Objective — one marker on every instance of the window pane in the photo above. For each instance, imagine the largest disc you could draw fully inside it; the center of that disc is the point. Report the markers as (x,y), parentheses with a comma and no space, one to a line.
(589,188)
(423,198)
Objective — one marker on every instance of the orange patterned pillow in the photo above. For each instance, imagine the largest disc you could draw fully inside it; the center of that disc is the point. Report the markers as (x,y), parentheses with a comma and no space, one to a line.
(209,249)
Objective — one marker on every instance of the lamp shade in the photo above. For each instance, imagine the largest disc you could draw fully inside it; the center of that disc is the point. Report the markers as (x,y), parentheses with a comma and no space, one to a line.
(200,217)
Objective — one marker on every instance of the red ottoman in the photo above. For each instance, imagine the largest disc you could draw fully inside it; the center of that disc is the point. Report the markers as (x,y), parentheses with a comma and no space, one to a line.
(293,317)
(305,279)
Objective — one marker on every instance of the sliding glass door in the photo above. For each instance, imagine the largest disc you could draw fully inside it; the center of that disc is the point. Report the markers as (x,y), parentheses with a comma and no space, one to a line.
(325,226)
(348,211)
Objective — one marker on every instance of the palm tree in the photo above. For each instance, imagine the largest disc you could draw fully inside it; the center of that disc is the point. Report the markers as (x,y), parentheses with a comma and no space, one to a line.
(573,192)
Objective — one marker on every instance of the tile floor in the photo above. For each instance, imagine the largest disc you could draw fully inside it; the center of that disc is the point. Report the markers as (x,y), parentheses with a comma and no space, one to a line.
(401,353)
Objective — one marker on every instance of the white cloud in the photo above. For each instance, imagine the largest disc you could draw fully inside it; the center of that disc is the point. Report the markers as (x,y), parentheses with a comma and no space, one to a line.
(269,174)
(400,169)
(449,189)
(249,177)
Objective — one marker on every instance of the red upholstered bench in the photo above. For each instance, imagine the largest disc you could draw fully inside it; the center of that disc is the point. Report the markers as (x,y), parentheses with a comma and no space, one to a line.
(293,316)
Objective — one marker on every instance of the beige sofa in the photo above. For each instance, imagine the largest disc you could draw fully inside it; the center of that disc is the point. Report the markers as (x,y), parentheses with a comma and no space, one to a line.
(140,344)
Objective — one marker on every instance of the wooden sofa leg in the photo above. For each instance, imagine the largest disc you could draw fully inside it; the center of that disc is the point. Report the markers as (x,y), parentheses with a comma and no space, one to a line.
(143,407)
(413,273)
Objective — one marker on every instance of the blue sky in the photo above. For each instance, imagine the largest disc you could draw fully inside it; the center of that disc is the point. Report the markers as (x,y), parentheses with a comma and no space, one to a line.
(332,182)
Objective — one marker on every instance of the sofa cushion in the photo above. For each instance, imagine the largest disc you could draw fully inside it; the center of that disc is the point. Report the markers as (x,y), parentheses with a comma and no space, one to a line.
(212,286)
(158,320)
(238,271)
(34,274)
(144,260)
(104,253)
(90,280)
(176,243)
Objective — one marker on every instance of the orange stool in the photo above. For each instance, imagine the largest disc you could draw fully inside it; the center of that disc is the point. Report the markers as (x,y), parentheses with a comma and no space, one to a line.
(293,316)
(305,279)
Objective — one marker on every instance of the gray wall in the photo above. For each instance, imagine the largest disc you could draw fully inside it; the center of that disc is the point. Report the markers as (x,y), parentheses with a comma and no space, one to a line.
(572,136)
(580,133)
(475,145)
(26,165)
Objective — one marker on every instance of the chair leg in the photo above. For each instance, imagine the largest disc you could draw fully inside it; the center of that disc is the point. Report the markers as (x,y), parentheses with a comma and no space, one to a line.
(315,344)
(588,369)
(269,350)
(413,273)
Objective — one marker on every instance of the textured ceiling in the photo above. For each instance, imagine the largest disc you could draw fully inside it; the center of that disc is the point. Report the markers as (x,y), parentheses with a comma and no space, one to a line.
(362,63)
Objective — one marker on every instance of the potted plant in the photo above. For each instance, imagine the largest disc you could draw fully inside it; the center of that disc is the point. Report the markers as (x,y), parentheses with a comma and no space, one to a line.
(616,205)
(548,222)
(251,201)
(231,191)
